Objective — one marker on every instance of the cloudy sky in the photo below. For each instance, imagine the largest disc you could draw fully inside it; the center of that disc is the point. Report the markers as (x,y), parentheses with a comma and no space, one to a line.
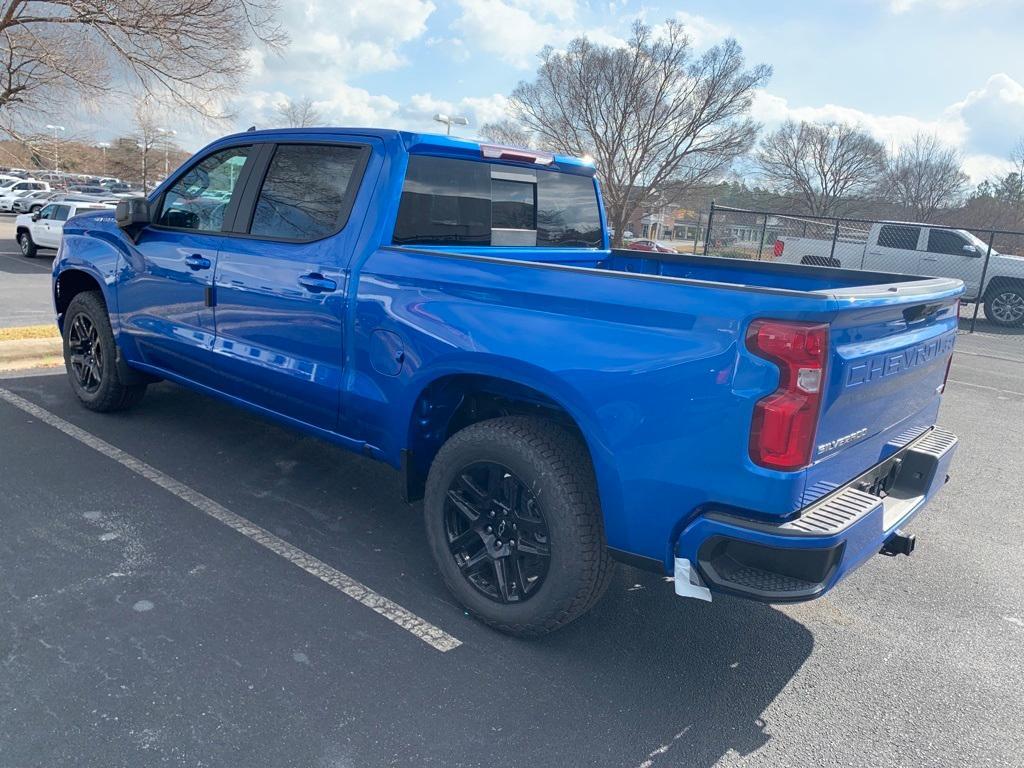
(894,66)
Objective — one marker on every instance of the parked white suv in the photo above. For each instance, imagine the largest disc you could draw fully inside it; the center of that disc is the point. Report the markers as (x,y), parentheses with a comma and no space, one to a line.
(11,192)
(919,249)
(45,228)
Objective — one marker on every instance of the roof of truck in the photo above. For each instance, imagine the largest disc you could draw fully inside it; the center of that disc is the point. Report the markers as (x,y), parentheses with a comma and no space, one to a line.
(419,143)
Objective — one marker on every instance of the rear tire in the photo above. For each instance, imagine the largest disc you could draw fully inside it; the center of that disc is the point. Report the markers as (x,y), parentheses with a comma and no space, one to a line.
(534,558)
(1004,305)
(28,247)
(90,357)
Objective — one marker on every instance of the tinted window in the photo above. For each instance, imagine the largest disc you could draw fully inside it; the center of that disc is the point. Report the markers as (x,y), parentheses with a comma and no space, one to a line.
(445,202)
(306,192)
(46,212)
(456,202)
(944,241)
(896,236)
(60,212)
(567,212)
(199,199)
(513,205)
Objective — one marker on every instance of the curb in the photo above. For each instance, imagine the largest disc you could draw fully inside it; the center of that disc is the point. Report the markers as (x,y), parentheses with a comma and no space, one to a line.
(21,354)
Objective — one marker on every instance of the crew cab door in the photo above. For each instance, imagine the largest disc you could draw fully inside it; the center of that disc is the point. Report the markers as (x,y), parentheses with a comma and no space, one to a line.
(948,253)
(165,288)
(55,225)
(42,225)
(894,249)
(281,280)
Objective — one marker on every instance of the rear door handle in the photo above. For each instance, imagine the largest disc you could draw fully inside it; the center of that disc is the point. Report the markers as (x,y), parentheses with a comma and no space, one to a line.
(928,258)
(314,282)
(195,261)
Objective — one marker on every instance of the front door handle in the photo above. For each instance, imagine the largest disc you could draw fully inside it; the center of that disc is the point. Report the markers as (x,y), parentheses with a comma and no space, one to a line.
(314,282)
(195,261)
(928,258)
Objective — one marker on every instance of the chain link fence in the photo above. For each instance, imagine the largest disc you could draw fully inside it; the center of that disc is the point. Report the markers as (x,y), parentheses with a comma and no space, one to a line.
(992,312)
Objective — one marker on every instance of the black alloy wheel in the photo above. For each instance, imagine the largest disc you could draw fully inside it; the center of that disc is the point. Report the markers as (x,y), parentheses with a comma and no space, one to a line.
(86,353)
(496,532)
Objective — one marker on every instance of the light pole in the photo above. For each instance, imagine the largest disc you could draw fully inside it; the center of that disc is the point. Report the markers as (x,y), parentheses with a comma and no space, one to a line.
(104,146)
(450,120)
(166,132)
(56,150)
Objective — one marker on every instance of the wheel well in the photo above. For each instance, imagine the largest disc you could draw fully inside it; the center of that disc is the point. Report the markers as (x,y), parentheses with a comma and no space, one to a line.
(999,283)
(454,402)
(820,261)
(70,284)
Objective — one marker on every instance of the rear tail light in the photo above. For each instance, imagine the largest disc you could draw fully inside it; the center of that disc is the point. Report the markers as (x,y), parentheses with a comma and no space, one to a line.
(778,248)
(784,423)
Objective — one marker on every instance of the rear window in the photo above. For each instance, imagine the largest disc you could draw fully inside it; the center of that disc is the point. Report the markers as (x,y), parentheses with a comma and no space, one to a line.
(898,236)
(307,192)
(464,202)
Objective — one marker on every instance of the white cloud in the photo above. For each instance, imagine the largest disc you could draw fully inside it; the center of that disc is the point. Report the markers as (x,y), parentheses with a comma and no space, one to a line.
(993,115)
(891,130)
(331,43)
(515,30)
(355,36)
(418,114)
(703,32)
(984,126)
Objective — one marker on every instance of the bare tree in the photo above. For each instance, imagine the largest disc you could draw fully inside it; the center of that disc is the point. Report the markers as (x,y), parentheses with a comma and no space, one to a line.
(822,165)
(649,113)
(298,114)
(188,52)
(1010,188)
(146,136)
(506,132)
(924,176)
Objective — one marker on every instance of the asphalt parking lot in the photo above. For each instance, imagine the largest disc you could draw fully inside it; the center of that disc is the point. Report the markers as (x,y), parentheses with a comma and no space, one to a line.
(187,584)
(140,629)
(24,283)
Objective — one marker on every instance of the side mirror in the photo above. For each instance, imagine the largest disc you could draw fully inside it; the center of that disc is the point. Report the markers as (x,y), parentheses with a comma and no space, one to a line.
(35,216)
(132,215)
(970,250)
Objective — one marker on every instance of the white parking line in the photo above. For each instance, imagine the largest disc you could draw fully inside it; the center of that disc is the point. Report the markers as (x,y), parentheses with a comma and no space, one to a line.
(44,267)
(983,386)
(424,630)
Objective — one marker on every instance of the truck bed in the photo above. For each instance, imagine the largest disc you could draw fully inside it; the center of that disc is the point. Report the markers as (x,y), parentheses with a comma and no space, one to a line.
(721,272)
(744,272)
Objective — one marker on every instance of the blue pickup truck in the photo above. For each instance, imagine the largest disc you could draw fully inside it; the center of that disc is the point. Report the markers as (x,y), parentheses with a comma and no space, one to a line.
(454,309)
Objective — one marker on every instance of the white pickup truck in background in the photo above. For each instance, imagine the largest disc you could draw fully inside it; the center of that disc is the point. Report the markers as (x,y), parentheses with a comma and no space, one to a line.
(919,249)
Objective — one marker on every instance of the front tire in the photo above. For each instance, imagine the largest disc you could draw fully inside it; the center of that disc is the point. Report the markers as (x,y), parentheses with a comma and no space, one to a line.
(1004,306)
(514,524)
(28,247)
(90,357)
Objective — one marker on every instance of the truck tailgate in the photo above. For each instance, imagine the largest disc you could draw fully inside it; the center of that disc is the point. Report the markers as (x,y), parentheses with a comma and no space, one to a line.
(887,366)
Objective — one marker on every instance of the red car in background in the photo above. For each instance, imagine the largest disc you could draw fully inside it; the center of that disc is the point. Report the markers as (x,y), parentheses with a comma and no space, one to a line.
(650,245)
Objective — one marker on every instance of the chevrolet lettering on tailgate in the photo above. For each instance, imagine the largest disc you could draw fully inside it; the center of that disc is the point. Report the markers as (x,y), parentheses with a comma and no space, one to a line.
(891,363)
